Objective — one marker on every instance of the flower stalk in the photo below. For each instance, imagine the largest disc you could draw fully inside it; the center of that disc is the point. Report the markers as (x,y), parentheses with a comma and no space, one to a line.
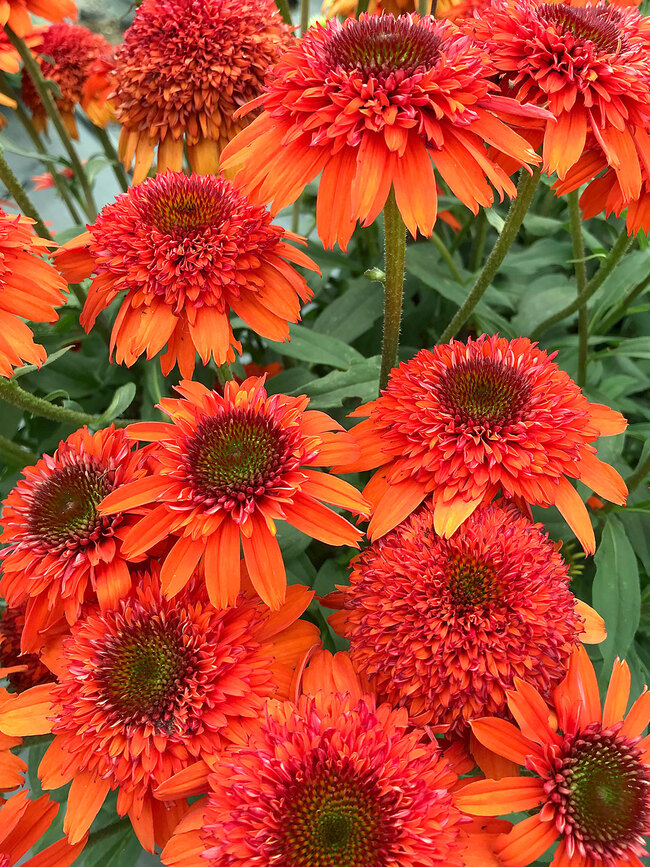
(21,198)
(394,257)
(12,393)
(575,224)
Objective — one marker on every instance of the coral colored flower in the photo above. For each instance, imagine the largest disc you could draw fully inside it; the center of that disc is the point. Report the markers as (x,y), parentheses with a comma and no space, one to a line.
(465,421)
(374,103)
(589,65)
(588,770)
(152,687)
(184,68)
(187,250)
(22,670)
(443,626)
(46,180)
(58,546)
(15,13)
(30,288)
(22,824)
(227,468)
(69,52)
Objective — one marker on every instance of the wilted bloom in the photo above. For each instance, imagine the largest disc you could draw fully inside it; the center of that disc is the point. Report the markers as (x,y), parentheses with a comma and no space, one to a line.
(589,65)
(224,471)
(69,52)
(374,103)
(22,670)
(442,627)
(151,687)
(465,421)
(183,69)
(588,770)
(15,13)
(30,288)
(57,546)
(187,251)
(22,824)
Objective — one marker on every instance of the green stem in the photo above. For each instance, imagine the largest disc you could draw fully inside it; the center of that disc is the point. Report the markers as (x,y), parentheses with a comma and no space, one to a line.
(518,209)
(285,12)
(14,454)
(224,374)
(21,198)
(12,393)
(446,255)
(304,16)
(423,7)
(621,246)
(394,256)
(479,241)
(638,475)
(575,224)
(118,169)
(43,90)
(362,6)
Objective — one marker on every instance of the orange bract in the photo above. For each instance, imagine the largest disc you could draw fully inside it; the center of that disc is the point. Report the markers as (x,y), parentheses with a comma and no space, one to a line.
(374,103)
(590,772)
(15,13)
(22,824)
(183,69)
(223,472)
(30,288)
(465,421)
(187,251)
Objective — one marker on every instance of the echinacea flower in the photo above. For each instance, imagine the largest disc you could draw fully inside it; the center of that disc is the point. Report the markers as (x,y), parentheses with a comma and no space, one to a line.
(226,469)
(588,771)
(465,421)
(22,824)
(57,546)
(68,53)
(589,64)
(16,13)
(46,181)
(187,251)
(150,687)
(21,670)
(442,627)
(184,68)
(30,288)
(377,103)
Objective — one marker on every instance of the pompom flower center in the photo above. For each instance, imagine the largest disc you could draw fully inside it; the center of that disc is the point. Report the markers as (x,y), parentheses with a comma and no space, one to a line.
(484,391)
(597,25)
(64,510)
(178,209)
(380,45)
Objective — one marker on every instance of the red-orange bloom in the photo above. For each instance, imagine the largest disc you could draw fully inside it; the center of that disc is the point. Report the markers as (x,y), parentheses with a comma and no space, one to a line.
(374,103)
(590,65)
(97,89)
(30,288)
(22,824)
(183,69)
(58,546)
(226,469)
(69,52)
(466,421)
(22,670)
(15,13)
(589,772)
(187,250)
(444,626)
(152,687)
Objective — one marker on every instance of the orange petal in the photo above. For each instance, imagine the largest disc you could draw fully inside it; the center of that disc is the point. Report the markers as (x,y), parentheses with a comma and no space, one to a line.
(448,516)
(113,582)
(526,842)
(85,799)
(59,854)
(192,780)
(141,816)
(222,565)
(316,520)
(150,530)
(335,491)
(265,564)
(618,693)
(602,478)
(134,494)
(608,422)
(503,738)
(496,797)
(396,505)
(297,600)
(532,714)
(29,713)
(574,512)
(638,717)
(50,770)
(179,564)
(594,625)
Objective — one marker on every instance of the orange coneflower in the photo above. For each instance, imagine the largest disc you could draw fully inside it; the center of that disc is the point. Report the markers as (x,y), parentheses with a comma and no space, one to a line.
(588,770)
(589,64)
(183,69)
(16,13)
(22,824)
(465,421)
(442,627)
(226,469)
(151,687)
(374,103)
(57,545)
(22,670)
(69,52)
(30,288)
(187,250)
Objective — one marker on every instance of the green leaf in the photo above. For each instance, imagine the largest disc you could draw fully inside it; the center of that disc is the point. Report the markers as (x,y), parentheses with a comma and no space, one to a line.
(360,381)
(7,145)
(32,368)
(353,313)
(308,345)
(122,399)
(616,591)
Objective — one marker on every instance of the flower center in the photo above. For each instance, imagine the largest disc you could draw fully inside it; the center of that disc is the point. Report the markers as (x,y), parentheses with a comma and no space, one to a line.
(485,392)
(235,457)
(599,25)
(471,583)
(603,793)
(64,510)
(178,208)
(379,45)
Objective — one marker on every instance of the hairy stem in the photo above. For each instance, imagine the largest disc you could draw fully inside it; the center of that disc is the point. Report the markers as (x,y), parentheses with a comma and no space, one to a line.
(21,198)
(12,393)
(109,149)
(15,455)
(575,224)
(394,256)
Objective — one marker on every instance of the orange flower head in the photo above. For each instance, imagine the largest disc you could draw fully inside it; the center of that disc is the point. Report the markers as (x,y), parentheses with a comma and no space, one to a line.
(184,68)
(30,288)
(590,65)
(331,782)
(377,103)
(227,468)
(588,771)
(465,421)
(16,13)
(58,547)
(22,824)
(443,626)
(22,670)
(70,51)
(187,251)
